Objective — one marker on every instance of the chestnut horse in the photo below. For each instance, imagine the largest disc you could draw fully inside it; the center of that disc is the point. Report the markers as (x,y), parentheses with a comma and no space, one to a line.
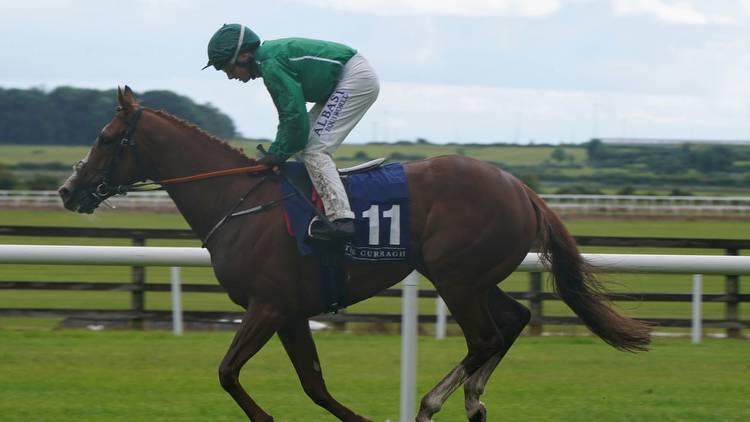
(471,226)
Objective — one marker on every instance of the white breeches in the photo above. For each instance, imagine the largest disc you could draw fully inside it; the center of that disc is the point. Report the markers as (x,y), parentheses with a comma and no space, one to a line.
(330,123)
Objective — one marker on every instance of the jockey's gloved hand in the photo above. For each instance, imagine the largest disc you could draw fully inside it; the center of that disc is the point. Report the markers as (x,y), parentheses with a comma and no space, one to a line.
(269,160)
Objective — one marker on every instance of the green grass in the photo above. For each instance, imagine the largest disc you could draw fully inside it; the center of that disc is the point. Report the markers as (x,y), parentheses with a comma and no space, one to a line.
(526,159)
(102,218)
(517,155)
(48,374)
(40,154)
(689,228)
(151,376)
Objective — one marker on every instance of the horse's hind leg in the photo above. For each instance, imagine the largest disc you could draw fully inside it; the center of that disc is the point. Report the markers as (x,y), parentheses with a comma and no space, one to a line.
(297,340)
(510,317)
(483,339)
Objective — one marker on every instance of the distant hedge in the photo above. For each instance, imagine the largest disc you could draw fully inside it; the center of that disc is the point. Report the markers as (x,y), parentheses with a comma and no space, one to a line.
(74,116)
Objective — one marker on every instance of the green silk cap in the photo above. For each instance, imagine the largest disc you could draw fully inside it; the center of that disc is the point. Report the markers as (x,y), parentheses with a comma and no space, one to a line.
(228,42)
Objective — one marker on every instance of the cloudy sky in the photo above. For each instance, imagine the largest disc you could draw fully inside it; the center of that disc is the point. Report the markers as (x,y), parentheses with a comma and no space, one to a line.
(451,70)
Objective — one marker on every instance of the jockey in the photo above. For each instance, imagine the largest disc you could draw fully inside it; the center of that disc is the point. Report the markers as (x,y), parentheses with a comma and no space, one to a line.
(340,82)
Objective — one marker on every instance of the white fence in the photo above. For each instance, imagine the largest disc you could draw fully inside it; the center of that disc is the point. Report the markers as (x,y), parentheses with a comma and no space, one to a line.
(175,257)
(649,205)
(158,200)
(564,204)
(198,257)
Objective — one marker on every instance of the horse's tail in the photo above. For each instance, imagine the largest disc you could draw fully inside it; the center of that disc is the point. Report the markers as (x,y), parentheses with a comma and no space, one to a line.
(576,284)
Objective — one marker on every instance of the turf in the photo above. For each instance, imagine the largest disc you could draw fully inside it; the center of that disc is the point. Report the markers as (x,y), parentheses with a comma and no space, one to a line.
(151,376)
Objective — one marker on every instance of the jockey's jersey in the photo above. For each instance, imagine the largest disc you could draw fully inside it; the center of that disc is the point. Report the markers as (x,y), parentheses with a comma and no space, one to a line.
(297,71)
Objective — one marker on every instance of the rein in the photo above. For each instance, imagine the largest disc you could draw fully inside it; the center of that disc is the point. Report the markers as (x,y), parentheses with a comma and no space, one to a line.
(159,184)
(254,210)
(106,189)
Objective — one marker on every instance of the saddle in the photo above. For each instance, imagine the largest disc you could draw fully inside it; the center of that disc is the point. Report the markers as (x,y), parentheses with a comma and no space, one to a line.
(330,253)
(379,197)
(301,180)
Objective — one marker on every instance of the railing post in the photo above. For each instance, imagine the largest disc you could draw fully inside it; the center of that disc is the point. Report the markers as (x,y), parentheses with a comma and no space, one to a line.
(697,324)
(137,300)
(535,304)
(409,318)
(732,310)
(176,281)
(340,325)
(440,318)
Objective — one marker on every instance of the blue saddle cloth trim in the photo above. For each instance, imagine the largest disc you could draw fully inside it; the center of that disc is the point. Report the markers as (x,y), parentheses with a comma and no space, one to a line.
(384,190)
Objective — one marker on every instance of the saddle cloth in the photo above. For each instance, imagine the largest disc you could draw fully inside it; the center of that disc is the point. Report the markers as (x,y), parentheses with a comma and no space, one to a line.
(379,199)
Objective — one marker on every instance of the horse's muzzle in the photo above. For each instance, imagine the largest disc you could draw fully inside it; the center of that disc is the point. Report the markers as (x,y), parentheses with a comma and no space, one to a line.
(77,200)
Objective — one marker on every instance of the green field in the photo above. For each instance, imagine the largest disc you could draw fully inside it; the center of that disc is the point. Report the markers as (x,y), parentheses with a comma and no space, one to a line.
(517,155)
(151,376)
(527,161)
(76,375)
(39,154)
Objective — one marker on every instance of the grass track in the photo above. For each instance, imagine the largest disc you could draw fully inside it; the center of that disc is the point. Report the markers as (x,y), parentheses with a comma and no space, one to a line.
(152,376)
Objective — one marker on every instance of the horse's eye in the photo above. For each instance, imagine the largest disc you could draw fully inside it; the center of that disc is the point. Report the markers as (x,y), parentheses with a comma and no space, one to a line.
(78,166)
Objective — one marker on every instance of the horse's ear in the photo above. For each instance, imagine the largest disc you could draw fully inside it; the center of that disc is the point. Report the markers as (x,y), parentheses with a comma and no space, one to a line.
(126,99)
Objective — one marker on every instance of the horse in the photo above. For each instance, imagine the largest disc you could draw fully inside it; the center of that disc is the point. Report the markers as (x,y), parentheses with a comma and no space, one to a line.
(471,225)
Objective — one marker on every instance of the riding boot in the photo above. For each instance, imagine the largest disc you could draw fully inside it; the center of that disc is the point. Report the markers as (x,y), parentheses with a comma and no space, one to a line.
(327,182)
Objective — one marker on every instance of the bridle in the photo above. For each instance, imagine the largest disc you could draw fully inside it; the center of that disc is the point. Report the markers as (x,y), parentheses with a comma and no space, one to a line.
(106,189)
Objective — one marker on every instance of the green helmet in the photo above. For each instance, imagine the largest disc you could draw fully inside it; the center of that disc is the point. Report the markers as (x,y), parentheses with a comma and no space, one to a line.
(228,42)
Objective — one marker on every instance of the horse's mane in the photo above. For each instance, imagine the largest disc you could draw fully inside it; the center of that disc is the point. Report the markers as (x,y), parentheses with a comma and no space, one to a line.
(239,152)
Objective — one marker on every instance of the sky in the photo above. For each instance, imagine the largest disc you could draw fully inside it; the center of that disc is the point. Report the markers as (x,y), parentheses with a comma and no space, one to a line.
(479,71)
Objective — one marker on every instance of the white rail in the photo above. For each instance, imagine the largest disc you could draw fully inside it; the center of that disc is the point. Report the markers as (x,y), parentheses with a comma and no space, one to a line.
(565,204)
(50,199)
(197,257)
(648,205)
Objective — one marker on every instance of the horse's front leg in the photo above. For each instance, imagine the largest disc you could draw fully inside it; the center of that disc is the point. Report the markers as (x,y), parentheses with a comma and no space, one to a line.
(297,340)
(258,325)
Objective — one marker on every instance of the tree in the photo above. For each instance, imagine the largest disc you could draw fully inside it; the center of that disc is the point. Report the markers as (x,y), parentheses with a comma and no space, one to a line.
(558,154)
(578,190)
(530,180)
(626,190)
(680,192)
(43,182)
(7,180)
(207,117)
(594,149)
(74,116)
(714,158)
(361,156)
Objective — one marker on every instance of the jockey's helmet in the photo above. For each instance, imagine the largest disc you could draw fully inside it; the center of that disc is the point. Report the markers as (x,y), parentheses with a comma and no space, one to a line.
(228,42)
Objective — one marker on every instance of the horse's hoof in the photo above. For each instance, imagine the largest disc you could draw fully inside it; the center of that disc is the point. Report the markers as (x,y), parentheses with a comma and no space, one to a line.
(480,415)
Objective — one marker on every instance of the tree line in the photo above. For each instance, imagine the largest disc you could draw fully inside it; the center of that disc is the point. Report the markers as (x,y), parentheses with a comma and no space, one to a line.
(74,116)
(670,159)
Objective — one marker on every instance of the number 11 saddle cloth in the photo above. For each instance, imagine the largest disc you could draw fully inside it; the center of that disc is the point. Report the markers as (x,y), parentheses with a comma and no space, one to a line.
(379,199)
